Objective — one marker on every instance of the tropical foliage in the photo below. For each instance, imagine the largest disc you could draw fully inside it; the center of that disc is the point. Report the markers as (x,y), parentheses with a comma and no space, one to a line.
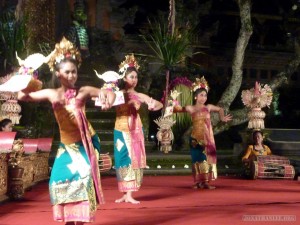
(170,44)
(12,37)
(170,49)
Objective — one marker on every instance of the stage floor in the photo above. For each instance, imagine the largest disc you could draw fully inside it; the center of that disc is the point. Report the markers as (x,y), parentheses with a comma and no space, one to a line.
(170,200)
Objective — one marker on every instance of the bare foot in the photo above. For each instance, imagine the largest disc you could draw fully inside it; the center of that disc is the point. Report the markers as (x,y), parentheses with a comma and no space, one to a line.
(132,200)
(123,199)
(197,185)
(207,186)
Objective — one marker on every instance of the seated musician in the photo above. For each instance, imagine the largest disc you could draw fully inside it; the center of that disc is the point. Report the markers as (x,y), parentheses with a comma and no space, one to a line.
(6,125)
(259,162)
(257,148)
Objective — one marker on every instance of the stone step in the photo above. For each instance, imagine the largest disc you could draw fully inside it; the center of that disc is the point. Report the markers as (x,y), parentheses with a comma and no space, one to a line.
(105,135)
(176,164)
(103,124)
(96,113)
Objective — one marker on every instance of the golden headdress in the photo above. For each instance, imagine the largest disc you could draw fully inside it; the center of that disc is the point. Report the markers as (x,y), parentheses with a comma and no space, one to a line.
(200,83)
(129,61)
(64,49)
(165,122)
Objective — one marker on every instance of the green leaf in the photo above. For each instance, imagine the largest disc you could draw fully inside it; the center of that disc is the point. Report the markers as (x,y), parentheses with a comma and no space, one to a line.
(169,49)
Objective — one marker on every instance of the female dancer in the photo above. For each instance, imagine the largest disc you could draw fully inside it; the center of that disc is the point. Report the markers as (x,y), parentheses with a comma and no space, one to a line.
(202,143)
(129,148)
(74,185)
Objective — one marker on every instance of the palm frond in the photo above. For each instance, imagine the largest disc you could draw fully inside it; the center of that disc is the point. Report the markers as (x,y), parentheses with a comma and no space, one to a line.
(168,48)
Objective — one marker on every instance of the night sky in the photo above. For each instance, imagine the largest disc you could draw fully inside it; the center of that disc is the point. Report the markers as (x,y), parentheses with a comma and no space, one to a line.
(278,29)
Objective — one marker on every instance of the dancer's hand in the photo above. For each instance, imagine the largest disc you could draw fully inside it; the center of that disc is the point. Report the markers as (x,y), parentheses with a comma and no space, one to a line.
(103,98)
(227,118)
(151,104)
(106,105)
(136,104)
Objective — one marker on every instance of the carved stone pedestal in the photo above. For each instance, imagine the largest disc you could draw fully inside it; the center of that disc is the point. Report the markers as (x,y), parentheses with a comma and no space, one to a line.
(15,183)
(3,173)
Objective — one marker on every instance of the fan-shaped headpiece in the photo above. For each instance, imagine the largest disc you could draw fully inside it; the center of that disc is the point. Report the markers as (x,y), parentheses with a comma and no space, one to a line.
(129,61)
(200,83)
(64,49)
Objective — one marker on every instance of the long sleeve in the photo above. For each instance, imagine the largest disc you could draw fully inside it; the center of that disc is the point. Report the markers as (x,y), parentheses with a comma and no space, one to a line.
(248,152)
(268,150)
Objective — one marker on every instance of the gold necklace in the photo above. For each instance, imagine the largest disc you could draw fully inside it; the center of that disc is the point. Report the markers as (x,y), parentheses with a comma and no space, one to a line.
(260,151)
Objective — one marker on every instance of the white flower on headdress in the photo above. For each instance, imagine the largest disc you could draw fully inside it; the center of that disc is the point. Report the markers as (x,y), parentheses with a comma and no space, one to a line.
(64,49)
(129,61)
(123,69)
(59,58)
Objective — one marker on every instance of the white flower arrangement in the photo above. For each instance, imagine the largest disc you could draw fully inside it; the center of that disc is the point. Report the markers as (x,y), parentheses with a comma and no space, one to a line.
(110,86)
(258,97)
(59,58)
(172,102)
(123,69)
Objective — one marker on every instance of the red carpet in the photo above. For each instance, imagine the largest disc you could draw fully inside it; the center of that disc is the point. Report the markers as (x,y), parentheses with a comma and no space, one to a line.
(171,200)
